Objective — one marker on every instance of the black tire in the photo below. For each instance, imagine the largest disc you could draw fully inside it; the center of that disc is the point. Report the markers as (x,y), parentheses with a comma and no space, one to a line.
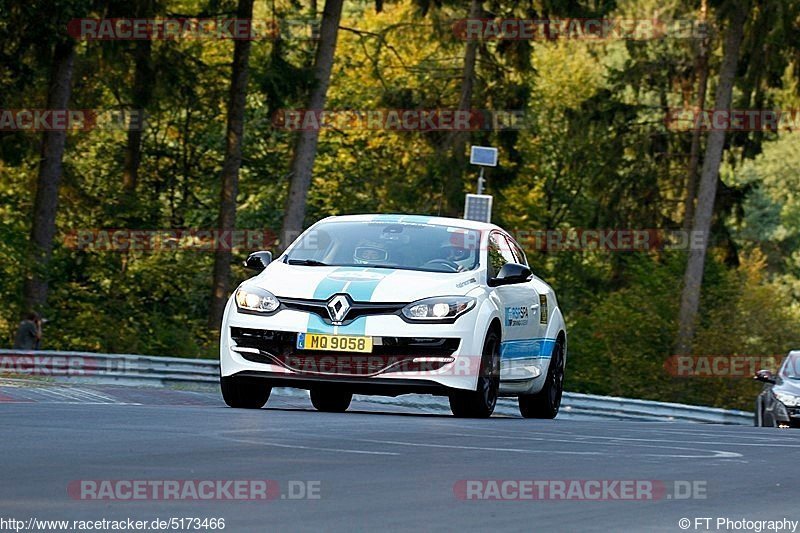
(545,403)
(330,400)
(244,393)
(480,403)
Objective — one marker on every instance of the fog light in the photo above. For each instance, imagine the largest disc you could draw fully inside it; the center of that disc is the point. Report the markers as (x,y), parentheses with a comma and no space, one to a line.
(433,360)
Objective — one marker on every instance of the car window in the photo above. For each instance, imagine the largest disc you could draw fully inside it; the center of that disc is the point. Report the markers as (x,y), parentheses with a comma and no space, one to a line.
(791,367)
(379,244)
(499,253)
(516,249)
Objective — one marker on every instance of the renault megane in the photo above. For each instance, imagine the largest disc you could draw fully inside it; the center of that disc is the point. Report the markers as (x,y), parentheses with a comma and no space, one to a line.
(395,304)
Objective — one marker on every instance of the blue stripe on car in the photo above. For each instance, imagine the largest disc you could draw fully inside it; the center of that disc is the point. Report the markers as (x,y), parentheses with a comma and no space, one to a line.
(330,285)
(386,218)
(360,290)
(522,348)
(411,219)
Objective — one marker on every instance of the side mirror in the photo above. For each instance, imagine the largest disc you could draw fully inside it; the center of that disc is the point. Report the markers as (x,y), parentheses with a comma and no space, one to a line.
(511,273)
(258,261)
(764,376)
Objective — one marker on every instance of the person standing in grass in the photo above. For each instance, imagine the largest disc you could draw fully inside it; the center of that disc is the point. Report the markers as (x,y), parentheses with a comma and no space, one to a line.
(29,333)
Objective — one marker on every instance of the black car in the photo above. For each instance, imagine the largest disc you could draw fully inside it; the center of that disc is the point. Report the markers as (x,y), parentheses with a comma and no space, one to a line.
(778,405)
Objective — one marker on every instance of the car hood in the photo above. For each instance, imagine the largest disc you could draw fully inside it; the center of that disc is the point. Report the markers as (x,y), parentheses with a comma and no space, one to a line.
(363,284)
(788,386)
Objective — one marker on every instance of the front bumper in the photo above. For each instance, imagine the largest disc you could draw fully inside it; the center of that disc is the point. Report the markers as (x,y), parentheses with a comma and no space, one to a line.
(787,415)
(264,346)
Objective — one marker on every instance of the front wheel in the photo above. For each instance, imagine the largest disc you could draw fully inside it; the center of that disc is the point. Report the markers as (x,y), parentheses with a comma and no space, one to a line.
(545,403)
(330,400)
(244,393)
(480,403)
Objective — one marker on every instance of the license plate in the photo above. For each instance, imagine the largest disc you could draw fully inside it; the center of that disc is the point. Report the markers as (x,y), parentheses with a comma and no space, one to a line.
(334,343)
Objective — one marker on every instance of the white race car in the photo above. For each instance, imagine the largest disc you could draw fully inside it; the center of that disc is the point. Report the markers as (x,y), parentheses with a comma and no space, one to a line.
(396,304)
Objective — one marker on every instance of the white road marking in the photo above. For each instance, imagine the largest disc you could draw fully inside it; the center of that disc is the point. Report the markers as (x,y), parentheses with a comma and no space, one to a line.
(50,402)
(716,453)
(759,444)
(479,448)
(63,395)
(762,436)
(314,448)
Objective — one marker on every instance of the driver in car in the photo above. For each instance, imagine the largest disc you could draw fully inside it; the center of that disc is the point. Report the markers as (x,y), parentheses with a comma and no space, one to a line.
(370,253)
(452,256)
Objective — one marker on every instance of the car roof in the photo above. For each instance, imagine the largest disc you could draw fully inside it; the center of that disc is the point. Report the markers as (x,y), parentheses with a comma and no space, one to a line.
(415,219)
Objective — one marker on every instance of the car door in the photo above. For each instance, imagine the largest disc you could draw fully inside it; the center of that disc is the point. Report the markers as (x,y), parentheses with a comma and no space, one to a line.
(543,307)
(519,303)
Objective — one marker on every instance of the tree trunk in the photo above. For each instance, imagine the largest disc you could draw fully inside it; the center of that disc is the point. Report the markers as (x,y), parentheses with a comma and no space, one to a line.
(694,153)
(143,83)
(453,189)
(693,278)
(43,228)
(230,169)
(306,148)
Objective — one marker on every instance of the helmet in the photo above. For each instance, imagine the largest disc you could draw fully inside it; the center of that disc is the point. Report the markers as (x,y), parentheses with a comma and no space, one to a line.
(370,254)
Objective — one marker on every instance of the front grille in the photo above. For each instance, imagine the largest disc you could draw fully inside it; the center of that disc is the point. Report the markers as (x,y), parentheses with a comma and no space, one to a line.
(389,354)
(357,309)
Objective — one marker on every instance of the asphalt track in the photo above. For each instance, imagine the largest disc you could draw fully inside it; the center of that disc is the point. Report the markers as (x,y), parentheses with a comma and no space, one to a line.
(378,467)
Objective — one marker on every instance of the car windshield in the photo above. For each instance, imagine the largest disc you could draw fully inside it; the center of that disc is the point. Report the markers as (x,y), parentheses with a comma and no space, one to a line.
(791,367)
(377,244)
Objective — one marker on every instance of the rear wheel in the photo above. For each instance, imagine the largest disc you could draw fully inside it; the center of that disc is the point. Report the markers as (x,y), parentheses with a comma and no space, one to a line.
(330,400)
(244,393)
(545,403)
(480,403)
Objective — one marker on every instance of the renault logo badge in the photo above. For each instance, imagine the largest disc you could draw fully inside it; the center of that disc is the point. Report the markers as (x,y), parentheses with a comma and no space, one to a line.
(338,307)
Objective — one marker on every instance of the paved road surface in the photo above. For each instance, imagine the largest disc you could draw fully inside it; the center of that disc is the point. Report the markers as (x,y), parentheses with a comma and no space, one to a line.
(378,467)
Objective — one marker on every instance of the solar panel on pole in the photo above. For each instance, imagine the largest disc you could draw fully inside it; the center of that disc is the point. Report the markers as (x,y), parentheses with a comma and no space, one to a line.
(478,207)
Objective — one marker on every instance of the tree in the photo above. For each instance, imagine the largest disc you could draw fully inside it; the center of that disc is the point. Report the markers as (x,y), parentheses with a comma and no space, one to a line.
(693,277)
(143,85)
(701,68)
(230,168)
(452,185)
(43,228)
(306,148)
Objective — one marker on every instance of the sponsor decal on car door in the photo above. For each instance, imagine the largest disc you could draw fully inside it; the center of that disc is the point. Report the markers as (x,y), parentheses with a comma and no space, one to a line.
(519,301)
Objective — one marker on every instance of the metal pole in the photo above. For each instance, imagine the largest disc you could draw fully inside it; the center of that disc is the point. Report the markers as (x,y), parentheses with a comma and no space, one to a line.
(480,182)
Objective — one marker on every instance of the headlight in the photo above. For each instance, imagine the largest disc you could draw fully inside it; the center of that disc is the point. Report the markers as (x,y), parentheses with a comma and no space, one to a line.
(256,300)
(788,400)
(445,308)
